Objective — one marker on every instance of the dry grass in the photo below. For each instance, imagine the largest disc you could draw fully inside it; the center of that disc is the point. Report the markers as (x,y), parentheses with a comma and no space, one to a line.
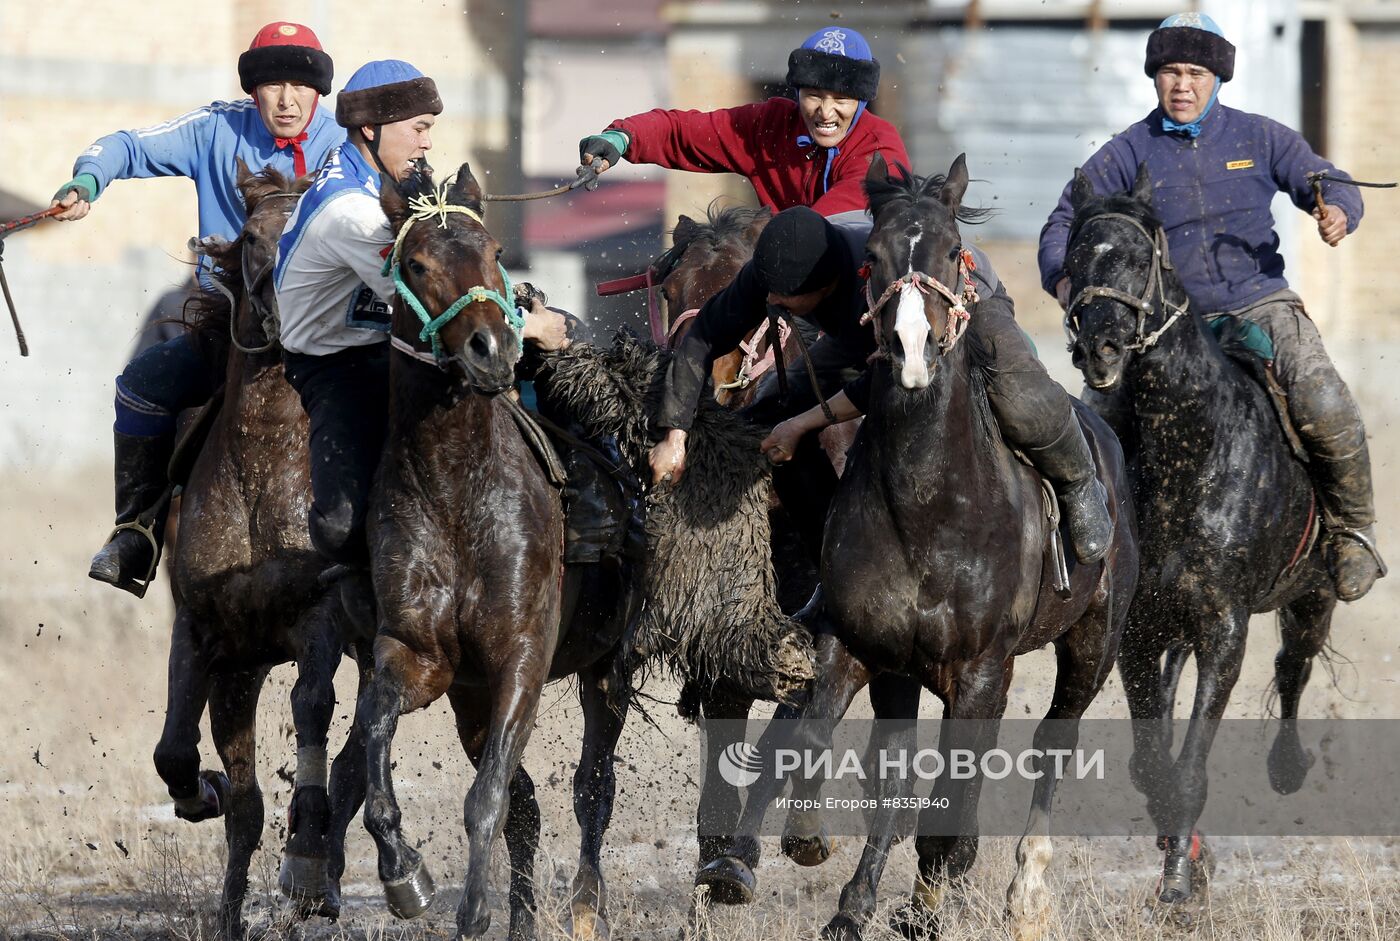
(92,849)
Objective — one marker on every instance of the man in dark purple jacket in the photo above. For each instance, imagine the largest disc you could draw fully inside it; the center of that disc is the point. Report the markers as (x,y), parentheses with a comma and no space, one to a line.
(1215,171)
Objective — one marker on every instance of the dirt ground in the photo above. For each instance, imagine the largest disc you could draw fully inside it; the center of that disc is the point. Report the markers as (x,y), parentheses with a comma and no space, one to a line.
(92,849)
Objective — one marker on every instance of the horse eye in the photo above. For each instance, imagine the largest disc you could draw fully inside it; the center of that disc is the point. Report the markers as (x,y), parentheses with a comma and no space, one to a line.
(499,252)
(954,252)
(416,266)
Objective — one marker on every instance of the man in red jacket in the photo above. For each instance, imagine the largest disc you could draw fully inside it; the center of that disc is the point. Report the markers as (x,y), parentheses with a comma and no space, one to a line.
(811,151)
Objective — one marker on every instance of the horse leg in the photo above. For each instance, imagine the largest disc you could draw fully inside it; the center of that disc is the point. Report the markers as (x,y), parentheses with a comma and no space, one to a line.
(400,684)
(1140,665)
(304,876)
(839,677)
(1084,657)
(947,838)
(896,703)
(594,787)
(1303,625)
(512,715)
(717,816)
(1219,654)
(347,786)
(233,706)
(198,795)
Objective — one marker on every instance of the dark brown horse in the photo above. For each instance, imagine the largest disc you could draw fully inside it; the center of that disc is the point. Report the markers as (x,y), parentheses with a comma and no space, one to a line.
(1226,515)
(247,576)
(466,534)
(917,595)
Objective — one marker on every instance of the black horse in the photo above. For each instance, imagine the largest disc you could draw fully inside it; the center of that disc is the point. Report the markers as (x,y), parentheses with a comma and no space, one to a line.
(937,571)
(1227,514)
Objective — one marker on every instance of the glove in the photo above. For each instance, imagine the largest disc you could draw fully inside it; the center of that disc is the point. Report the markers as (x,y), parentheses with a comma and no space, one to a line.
(84,183)
(609,146)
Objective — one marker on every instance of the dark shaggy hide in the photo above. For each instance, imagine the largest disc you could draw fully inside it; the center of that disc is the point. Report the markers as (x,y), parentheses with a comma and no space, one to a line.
(710,610)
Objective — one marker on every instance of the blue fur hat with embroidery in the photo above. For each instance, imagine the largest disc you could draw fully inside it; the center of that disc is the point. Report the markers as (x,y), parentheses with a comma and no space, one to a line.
(836,59)
(1193,38)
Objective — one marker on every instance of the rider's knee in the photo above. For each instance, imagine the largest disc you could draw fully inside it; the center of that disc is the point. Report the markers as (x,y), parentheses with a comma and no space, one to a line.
(1325,414)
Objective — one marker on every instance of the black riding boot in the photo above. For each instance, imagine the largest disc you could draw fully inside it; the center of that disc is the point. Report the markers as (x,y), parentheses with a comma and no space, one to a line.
(593,517)
(1067,463)
(129,557)
(1349,514)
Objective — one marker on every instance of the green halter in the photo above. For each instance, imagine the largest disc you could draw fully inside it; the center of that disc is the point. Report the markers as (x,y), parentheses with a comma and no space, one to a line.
(436,205)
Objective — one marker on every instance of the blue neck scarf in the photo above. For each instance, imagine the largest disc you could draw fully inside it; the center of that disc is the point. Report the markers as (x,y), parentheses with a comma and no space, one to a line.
(1192,130)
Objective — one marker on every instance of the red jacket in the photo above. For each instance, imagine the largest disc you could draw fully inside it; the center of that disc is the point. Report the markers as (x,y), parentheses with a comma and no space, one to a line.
(760,142)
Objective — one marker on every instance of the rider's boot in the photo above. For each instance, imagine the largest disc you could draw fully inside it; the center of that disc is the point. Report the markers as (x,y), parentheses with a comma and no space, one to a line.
(1349,516)
(128,559)
(592,524)
(1067,463)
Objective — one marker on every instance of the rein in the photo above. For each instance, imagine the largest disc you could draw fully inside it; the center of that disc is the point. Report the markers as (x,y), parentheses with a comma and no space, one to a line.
(269,326)
(435,206)
(1144,303)
(958,315)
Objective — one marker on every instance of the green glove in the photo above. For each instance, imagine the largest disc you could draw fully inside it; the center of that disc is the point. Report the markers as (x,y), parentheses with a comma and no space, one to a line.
(609,145)
(84,183)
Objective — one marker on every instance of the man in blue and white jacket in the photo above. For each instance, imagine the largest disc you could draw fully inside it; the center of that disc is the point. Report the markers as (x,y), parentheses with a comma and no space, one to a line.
(1214,174)
(280,126)
(334,296)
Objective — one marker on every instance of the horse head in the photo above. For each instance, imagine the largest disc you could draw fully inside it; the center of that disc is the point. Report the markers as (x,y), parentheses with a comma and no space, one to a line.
(447,272)
(1120,278)
(915,256)
(268,198)
(705,256)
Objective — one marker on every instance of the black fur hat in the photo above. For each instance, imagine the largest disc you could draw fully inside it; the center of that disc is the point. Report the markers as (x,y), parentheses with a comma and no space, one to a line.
(836,59)
(1193,44)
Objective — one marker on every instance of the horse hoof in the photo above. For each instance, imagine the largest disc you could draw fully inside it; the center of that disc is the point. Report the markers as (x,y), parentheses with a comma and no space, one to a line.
(411,895)
(588,924)
(730,881)
(808,850)
(306,881)
(1289,764)
(842,927)
(208,802)
(914,922)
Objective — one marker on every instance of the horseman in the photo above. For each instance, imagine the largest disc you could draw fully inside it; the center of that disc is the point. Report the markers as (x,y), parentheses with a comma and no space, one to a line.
(285,72)
(811,150)
(808,267)
(1216,171)
(334,295)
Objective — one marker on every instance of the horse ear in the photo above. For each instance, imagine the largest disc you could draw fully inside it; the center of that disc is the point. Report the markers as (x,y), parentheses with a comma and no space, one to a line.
(1142,185)
(879,171)
(760,222)
(241,172)
(1082,190)
(465,191)
(684,230)
(394,203)
(955,187)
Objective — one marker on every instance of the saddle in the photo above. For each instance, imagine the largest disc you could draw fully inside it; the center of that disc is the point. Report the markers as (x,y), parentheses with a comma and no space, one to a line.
(1248,345)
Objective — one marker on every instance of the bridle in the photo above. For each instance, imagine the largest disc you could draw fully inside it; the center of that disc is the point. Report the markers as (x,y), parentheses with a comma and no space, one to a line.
(1154,293)
(435,205)
(925,283)
(269,325)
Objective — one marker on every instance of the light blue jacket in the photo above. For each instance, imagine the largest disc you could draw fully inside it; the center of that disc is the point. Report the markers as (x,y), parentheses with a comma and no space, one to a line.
(203,145)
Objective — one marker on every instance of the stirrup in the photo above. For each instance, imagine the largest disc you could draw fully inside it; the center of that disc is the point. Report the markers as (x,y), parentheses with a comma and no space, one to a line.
(1366,541)
(138,586)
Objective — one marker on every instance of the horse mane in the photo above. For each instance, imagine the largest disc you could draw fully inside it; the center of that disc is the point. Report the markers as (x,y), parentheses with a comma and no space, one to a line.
(904,186)
(722,224)
(1124,203)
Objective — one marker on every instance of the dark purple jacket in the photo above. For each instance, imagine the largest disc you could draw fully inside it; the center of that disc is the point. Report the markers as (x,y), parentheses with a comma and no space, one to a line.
(1212,195)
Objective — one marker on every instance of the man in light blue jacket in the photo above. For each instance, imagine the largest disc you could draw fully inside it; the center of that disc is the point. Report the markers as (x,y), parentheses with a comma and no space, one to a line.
(280,126)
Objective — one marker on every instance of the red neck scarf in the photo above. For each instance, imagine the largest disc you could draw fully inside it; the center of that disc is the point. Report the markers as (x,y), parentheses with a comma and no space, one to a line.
(298,155)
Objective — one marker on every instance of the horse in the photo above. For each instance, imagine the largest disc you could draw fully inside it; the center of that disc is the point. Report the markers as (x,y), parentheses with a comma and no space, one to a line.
(1227,515)
(915,593)
(466,534)
(246,577)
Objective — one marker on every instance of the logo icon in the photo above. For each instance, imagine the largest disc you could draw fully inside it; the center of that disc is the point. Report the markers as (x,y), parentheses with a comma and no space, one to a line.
(833,41)
(287,29)
(740,765)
